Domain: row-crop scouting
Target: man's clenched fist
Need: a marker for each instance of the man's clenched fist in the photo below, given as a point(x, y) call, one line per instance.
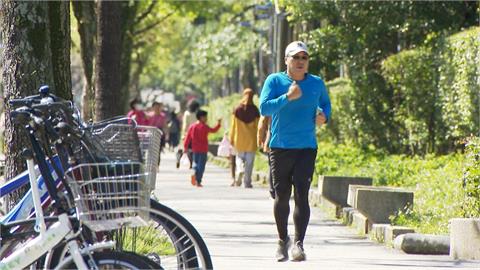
point(294, 91)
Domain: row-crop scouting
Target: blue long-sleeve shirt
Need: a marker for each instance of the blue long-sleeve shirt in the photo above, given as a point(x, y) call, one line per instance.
point(293, 122)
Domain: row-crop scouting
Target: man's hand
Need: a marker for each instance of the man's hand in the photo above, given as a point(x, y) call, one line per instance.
point(219, 121)
point(320, 119)
point(294, 91)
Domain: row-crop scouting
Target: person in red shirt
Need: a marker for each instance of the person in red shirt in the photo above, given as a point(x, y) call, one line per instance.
point(158, 118)
point(136, 113)
point(197, 136)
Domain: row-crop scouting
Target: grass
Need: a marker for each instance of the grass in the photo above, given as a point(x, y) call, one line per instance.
point(146, 240)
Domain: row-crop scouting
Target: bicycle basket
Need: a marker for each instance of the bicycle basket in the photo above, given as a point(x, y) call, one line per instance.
point(119, 142)
point(150, 140)
point(110, 196)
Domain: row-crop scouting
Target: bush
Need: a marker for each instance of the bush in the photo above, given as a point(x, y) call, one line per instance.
point(459, 84)
point(411, 74)
point(435, 98)
point(471, 179)
point(342, 125)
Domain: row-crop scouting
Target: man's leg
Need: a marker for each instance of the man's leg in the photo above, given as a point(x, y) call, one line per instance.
point(302, 178)
point(281, 165)
point(270, 179)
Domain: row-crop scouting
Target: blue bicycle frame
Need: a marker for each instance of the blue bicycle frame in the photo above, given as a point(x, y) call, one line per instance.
point(25, 209)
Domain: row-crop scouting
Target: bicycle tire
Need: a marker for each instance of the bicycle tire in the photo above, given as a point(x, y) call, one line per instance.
point(117, 260)
point(191, 252)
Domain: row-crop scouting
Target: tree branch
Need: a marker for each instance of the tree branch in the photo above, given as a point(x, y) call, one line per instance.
point(153, 25)
point(145, 13)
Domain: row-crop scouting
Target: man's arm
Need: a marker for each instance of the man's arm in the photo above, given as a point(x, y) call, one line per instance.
point(324, 106)
point(269, 104)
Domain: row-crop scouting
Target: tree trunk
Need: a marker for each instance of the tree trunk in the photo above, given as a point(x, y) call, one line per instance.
point(109, 54)
point(129, 14)
point(26, 65)
point(87, 28)
point(140, 63)
point(59, 15)
point(248, 75)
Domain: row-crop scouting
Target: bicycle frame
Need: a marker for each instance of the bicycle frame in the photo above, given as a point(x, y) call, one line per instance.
point(25, 209)
point(47, 238)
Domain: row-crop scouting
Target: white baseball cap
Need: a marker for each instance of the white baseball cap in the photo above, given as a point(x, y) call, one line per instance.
point(295, 47)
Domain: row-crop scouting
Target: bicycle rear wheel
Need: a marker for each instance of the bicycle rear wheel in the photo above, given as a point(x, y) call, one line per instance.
point(116, 260)
point(169, 240)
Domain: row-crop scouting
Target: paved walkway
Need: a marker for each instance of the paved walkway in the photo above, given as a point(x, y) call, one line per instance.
point(238, 227)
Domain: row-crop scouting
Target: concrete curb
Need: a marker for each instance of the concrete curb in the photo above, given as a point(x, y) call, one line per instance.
point(416, 243)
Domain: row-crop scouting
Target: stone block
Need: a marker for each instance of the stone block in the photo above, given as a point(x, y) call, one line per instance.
point(391, 232)
point(335, 188)
point(313, 197)
point(377, 233)
point(360, 223)
point(379, 203)
point(330, 207)
point(465, 238)
point(347, 215)
point(352, 193)
point(416, 243)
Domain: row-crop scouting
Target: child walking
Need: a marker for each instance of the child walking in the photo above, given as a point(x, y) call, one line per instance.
point(197, 136)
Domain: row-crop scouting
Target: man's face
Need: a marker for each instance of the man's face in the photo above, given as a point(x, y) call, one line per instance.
point(297, 63)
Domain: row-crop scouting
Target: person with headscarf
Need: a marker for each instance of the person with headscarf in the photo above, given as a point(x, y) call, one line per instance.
point(243, 137)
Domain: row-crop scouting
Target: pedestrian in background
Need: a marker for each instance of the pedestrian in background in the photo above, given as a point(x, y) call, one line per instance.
point(297, 101)
point(243, 137)
point(197, 137)
point(174, 131)
point(158, 118)
point(189, 117)
point(136, 112)
point(263, 138)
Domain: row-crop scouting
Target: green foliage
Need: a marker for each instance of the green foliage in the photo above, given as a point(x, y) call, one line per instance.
point(358, 36)
point(205, 43)
point(471, 178)
point(436, 180)
point(412, 74)
point(459, 84)
point(344, 123)
point(146, 240)
point(436, 95)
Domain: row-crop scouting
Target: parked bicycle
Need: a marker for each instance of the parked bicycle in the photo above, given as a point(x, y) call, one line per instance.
point(94, 143)
point(25, 242)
